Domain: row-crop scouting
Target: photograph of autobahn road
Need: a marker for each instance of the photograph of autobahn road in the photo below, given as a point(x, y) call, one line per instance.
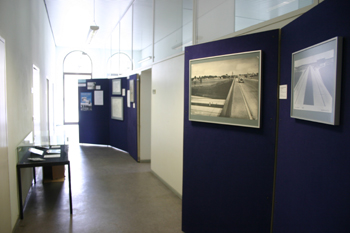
point(315, 82)
point(313, 90)
point(226, 89)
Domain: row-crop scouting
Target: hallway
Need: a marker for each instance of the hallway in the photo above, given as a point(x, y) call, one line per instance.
point(111, 193)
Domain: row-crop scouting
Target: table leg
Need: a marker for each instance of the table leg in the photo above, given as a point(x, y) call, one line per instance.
point(70, 190)
point(34, 175)
point(20, 192)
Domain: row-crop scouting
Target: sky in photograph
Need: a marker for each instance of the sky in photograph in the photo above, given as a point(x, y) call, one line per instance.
point(312, 59)
point(218, 68)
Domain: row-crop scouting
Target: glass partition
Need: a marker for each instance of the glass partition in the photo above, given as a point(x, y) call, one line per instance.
point(126, 41)
point(113, 65)
point(219, 18)
point(142, 33)
point(248, 13)
point(171, 17)
point(215, 19)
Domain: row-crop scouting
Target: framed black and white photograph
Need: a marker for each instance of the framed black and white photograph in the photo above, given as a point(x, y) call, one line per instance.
point(132, 90)
point(226, 89)
point(117, 108)
point(116, 87)
point(315, 84)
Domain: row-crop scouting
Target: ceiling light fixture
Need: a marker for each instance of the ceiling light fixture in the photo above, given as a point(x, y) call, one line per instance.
point(92, 33)
point(93, 29)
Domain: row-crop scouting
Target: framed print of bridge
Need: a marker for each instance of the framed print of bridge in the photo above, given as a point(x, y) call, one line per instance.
point(315, 84)
point(226, 89)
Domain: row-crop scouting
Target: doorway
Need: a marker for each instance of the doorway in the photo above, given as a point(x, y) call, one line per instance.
point(145, 115)
point(36, 104)
point(77, 65)
point(70, 97)
point(5, 218)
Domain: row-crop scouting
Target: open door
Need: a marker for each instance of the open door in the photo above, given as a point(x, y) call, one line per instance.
point(145, 109)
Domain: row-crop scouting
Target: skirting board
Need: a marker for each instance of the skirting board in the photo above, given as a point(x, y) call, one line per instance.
point(166, 184)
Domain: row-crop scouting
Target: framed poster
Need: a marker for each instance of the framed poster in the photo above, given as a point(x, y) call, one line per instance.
point(315, 84)
point(91, 85)
point(116, 87)
point(132, 90)
point(226, 89)
point(85, 101)
point(117, 108)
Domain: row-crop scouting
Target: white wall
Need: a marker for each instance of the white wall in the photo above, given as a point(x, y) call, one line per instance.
point(167, 121)
point(25, 27)
point(145, 114)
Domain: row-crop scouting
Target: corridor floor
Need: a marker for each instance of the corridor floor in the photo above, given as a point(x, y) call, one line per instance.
point(110, 192)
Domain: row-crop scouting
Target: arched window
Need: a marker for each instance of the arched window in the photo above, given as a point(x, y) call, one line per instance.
point(118, 64)
point(76, 65)
point(77, 62)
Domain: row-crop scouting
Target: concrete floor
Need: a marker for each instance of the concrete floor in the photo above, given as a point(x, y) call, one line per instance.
point(110, 192)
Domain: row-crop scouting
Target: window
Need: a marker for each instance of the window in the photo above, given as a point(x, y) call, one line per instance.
point(118, 64)
point(77, 65)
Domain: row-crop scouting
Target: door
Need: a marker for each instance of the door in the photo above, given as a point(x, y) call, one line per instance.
point(71, 105)
point(36, 103)
point(5, 219)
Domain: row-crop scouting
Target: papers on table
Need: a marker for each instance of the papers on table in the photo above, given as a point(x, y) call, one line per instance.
point(52, 156)
point(36, 151)
point(53, 151)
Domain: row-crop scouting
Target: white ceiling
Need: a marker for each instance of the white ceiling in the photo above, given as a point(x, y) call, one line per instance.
point(71, 19)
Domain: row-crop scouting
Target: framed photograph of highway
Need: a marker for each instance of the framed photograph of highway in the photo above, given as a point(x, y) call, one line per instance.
point(226, 89)
point(315, 84)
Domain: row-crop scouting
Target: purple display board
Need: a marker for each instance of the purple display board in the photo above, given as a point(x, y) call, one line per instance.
point(118, 128)
point(94, 111)
point(229, 170)
point(312, 181)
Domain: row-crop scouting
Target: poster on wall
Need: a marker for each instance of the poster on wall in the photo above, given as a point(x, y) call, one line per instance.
point(132, 91)
point(117, 108)
point(226, 89)
point(85, 101)
point(316, 76)
point(98, 97)
point(117, 87)
point(91, 85)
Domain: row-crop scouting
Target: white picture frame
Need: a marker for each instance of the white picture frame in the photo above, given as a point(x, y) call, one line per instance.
point(316, 82)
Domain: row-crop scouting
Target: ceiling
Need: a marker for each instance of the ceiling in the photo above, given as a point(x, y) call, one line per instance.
point(71, 20)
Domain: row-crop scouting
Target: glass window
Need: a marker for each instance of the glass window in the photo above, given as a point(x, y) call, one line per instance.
point(119, 64)
point(77, 65)
point(77, 62)
point(142, 33)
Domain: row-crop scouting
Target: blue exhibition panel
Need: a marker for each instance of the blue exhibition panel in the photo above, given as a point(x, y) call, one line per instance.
point(229, 170)
point(96, 124)
point(118, 128)
point(312, 180)
point(123, 133)
point(94, 117)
